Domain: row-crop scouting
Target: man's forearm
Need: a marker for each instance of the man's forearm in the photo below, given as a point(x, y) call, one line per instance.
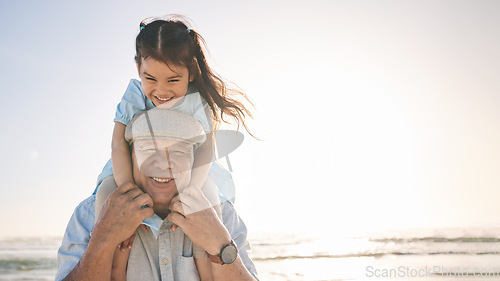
point(234, 272)
point(95, 264)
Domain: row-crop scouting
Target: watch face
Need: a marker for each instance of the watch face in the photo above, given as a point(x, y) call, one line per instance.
point(229, 254)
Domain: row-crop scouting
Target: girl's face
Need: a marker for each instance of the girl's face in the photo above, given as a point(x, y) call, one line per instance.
point(162, 83)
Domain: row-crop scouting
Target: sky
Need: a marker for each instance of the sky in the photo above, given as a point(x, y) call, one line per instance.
point(371, 114)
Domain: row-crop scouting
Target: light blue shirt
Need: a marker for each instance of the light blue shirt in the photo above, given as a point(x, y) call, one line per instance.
point(148, 254)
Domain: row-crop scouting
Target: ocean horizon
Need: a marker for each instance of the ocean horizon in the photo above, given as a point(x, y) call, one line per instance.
point(430, 254)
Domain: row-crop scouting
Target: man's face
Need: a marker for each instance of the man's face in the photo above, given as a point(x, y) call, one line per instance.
point(162, 172)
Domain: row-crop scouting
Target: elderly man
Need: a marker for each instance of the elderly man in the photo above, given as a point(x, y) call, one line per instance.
point(162, 143)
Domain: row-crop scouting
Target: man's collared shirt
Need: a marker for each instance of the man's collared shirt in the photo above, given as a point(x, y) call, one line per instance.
point(168, 257)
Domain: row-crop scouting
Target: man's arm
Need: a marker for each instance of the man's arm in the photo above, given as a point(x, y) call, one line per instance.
point(95, 263)
point(238, 231)
point(121, 215)
point(243, 265)
point(206, 230)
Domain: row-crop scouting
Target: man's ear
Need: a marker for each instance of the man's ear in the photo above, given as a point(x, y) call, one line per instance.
point(138, 69)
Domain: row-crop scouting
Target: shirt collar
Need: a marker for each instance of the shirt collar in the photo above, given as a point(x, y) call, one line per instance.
point(154, 224)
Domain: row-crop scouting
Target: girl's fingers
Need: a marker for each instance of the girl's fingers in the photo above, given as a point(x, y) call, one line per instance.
point(131, 240)
point(127, 244)
point(123, 245)
point(144, 228)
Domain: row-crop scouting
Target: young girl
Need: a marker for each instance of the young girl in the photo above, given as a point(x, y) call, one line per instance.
point(174, 74)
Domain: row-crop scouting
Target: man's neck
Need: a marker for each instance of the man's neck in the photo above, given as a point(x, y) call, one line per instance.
point(162, 213)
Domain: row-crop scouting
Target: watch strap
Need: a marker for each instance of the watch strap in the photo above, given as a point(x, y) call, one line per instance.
point(215, 258)
point(218, 258)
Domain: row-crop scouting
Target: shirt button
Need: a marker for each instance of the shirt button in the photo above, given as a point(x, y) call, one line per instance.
point(165, 261)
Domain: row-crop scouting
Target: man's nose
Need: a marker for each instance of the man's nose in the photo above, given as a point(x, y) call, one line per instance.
point(161, 164)
point(161, 160)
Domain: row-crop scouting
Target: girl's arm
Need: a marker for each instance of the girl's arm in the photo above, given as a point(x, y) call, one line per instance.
point(203, 157)
point(120, 156)
point(122, 172)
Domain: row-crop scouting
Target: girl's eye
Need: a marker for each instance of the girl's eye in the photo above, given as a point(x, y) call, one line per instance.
point(173, 80)
point(150, 79)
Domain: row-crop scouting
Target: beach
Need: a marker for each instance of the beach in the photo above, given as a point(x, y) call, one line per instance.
point(430, 254)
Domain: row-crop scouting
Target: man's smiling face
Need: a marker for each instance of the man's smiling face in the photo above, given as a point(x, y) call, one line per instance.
point(162, 168)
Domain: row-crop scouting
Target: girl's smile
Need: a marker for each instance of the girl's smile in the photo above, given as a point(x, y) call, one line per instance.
point(165, 100)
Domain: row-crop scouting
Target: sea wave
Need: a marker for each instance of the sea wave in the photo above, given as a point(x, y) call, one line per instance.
point(364, 255)
point(19, 264)
point(444, 243)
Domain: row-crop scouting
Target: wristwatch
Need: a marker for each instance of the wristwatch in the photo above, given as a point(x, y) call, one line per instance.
point(227, 255)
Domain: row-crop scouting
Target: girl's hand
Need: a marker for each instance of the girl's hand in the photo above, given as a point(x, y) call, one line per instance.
point(192, 212)
point(127, 244)
point(173, 227)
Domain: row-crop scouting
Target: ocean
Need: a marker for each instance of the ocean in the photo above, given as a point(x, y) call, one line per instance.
point(426, 254)
point(28, 258)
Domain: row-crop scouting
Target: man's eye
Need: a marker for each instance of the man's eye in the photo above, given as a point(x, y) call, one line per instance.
point(150, 79)
point(146, 148)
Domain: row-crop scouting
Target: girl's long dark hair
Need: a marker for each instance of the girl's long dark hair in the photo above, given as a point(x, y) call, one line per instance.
point(171, 41)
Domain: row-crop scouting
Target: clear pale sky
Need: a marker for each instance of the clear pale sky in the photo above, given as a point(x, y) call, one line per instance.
point(373, 114)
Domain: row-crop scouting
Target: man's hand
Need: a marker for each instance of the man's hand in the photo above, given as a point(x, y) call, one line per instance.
point(120, 217)
point(192, 212)
point(122, 213)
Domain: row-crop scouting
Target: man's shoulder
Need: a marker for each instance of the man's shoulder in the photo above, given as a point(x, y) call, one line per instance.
point(227, 206)
point(87, 203)
point(231, 219)
point(85, 212)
